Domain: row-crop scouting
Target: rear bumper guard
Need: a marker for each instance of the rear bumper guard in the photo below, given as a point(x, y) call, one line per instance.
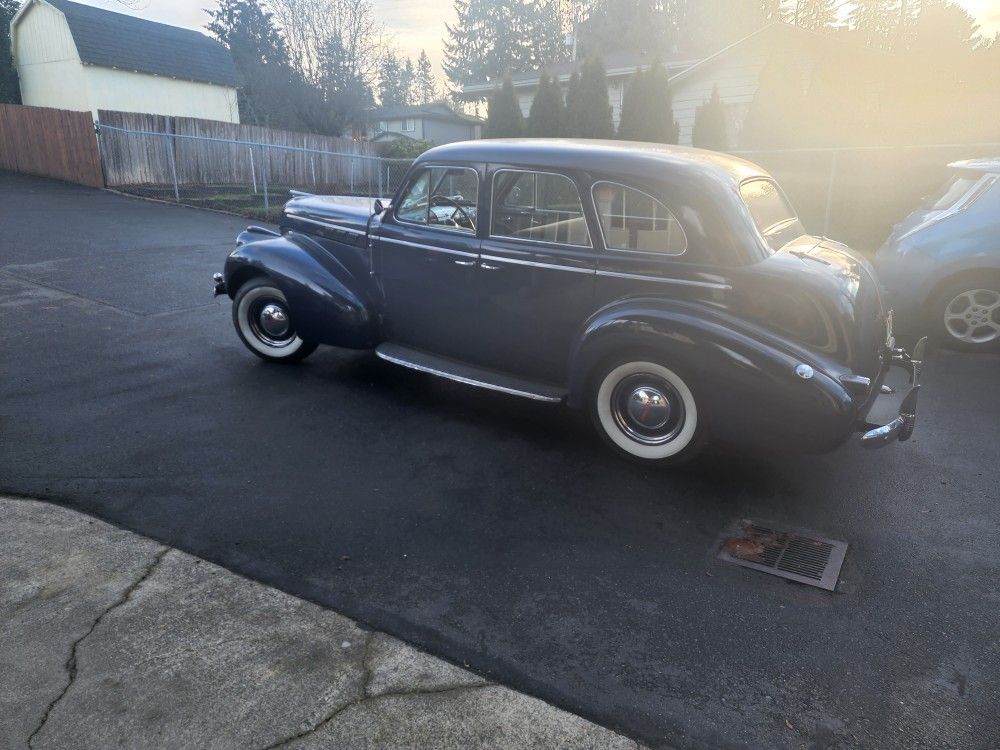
point(901, 428)
point(220, 284)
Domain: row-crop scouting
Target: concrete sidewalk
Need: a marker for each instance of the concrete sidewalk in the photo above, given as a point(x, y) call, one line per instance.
point(108, 639)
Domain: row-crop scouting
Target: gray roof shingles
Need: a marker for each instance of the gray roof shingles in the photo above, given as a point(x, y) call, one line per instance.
point(115, 40)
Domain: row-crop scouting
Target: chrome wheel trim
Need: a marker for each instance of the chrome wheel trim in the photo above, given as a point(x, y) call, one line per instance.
point(668, 425)
point(265, 323)
point(973, 316)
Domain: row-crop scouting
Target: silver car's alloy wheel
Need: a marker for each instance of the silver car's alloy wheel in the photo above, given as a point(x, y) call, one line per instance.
point(973, 316)
point(647, 410)
point(265, 323)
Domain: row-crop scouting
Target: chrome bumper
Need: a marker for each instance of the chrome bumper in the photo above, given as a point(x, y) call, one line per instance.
point(220, 283)
point(901, 428)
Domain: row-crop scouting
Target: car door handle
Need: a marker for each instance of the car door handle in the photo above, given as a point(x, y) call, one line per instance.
point(465, 262)
point(489, 267)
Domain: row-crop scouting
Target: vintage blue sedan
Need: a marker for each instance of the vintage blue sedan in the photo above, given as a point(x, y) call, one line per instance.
point(941, 265)
point(671, 292)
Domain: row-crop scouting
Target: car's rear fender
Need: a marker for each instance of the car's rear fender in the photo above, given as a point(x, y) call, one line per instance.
point(327, 303)
point(744, 376)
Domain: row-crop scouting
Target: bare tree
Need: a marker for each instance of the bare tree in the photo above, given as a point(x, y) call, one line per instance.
point(310, 26)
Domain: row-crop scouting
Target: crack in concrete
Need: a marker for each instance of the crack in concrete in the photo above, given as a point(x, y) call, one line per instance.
point(367, 697)
point(71, 665)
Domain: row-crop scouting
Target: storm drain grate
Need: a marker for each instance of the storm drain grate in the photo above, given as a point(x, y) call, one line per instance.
point(793, 555)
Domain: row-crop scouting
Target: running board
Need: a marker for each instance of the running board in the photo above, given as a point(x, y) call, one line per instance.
point(468, 374)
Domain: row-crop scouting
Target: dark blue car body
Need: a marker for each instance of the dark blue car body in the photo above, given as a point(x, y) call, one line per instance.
point(782, 337)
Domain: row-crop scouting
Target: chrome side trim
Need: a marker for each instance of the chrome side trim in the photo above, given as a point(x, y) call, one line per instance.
point(668, 280)
point(326, 224)
point(536, 264)
point(466, 381)
point(418, 246)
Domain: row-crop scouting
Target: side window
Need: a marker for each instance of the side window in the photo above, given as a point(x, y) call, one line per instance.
point(634, 220)
point(441, 196)
point(538, 206)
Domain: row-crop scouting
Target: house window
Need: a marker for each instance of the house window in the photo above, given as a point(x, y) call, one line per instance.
point(382, 126)
point(407, 125)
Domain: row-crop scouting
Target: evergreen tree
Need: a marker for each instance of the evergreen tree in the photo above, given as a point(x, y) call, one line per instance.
point(710, 124)
point(776, 115)
point(391, 91)
point(504, 119)
point(878, 21)
point(271, 92)
point(610, 25)
point(594, 107)
point(647, 108)
point(545, 118)
point(408, 83)
point(10, 90)
point(426, 87)
point(344, 90)
point(490, 38)
point(574, 107)
point(815, 14)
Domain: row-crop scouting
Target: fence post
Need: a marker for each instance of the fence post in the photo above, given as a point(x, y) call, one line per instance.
point(829, 194)
point(378, 171)
point(312, 163)
point(173, 167)
point(253, 171)
point(263, 178)
point(352, 176)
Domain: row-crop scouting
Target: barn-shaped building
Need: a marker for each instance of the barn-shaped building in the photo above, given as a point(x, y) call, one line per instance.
point(77, 57)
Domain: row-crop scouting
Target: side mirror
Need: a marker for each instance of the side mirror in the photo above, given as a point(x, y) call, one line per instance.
point(378, 207)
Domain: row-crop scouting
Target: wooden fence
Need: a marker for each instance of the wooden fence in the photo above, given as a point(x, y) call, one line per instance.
point(50, 142)
point(207, 152)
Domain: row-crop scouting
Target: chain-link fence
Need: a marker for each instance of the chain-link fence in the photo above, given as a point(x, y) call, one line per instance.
point(250, 178)
point(855, 195)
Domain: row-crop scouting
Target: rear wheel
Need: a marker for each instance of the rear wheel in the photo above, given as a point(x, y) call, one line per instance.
point(264, 323)
point(967, 314)
point(647, 412)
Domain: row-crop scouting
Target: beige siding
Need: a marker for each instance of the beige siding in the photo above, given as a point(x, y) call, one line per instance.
point(126, 91)
point(736, 75)
point(47, 61)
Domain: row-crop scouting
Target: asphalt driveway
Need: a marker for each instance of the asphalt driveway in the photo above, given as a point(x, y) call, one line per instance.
point(496, 532)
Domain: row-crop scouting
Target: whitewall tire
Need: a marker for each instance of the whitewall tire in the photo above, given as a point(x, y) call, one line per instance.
point(264, 323)
point(647, 412)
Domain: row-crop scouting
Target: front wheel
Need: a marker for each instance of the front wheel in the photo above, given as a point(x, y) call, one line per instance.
point(264, 323)
point(647, 413)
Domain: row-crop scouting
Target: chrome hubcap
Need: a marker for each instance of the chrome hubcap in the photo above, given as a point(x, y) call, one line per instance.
point(270, 322)
point(647, 409)
point(274, 320)
point(974, 316)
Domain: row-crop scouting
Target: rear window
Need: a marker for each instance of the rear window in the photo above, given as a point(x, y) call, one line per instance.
point(772, 213)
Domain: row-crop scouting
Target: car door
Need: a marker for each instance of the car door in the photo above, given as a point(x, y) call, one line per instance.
point(428, 252)
point(537, 268)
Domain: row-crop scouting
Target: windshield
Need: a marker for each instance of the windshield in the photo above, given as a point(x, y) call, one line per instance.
point(950, 193)
point(772, 213)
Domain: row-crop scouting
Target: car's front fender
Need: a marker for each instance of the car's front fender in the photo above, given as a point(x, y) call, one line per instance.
point(327, 303)
point(744, 377)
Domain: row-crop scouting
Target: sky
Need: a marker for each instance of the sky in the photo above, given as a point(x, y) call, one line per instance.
point(415, 24)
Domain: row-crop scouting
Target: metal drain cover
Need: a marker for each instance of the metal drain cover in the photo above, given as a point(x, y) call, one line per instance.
point(794, 555)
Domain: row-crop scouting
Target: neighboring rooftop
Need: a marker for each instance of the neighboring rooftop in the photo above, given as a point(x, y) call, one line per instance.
point(432, 111)
point(619, 63)
point(115, 40)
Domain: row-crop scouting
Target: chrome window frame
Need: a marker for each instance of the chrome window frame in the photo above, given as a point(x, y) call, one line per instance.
point(600, 224)
point(508, 238)
point(442, 227)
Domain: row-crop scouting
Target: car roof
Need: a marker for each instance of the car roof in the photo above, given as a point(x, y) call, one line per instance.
point(991, 165)
point(626, 158)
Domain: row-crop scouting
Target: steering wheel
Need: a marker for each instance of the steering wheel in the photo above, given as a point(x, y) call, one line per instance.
point(459, 209)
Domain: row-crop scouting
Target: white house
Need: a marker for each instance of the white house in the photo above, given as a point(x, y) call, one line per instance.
point(735, 69)
point(77, 57)
point(435, 122)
